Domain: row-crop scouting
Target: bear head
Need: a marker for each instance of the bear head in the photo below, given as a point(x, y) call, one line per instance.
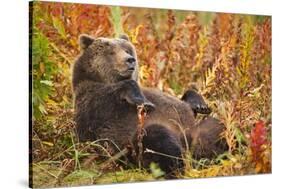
point(107, 60)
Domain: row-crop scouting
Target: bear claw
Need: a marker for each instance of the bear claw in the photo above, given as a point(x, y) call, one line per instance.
point(196, 102)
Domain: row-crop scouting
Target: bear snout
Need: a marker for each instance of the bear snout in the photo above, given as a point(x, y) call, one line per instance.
point(131, 63)
point(131, 60)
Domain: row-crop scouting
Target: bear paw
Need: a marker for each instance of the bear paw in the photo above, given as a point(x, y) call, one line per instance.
point(196, 102)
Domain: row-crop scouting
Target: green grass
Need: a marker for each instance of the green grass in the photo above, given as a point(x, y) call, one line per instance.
point(49, 175)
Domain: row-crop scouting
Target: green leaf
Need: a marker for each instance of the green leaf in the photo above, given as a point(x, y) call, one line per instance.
point(46, 82)
point(42, 109)
point(155, 170)
point(59, 26)
point(116, 20)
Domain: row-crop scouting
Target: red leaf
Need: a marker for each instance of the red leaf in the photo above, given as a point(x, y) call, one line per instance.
point(258, 141)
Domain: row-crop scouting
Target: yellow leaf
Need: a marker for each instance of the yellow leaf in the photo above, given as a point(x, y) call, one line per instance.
point(42, 67)
point(48, 143)
point(258, 167)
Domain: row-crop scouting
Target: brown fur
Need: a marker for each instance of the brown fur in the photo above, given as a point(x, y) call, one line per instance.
point(206, 139)
point(107, 94)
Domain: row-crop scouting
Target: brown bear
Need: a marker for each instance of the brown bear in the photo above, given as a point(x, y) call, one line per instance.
point(107, 94)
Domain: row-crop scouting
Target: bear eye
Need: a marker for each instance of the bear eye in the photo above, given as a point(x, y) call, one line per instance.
point(111, 52)
point(128, 52)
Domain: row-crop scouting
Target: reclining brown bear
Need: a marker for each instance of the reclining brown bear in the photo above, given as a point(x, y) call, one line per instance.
point(106, 98)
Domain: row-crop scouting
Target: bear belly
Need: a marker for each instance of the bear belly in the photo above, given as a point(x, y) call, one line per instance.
point(169, 111)
point(105, 121)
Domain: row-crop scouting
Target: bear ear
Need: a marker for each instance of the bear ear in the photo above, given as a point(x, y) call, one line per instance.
point(124, 36)
point(85, 41)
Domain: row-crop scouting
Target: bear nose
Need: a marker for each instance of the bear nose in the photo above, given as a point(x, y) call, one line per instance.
point(131, 60)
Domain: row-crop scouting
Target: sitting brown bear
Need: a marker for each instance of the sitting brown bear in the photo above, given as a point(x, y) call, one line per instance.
point(107, 95)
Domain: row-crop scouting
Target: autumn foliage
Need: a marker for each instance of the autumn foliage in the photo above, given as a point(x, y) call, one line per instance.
point(226, 57)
